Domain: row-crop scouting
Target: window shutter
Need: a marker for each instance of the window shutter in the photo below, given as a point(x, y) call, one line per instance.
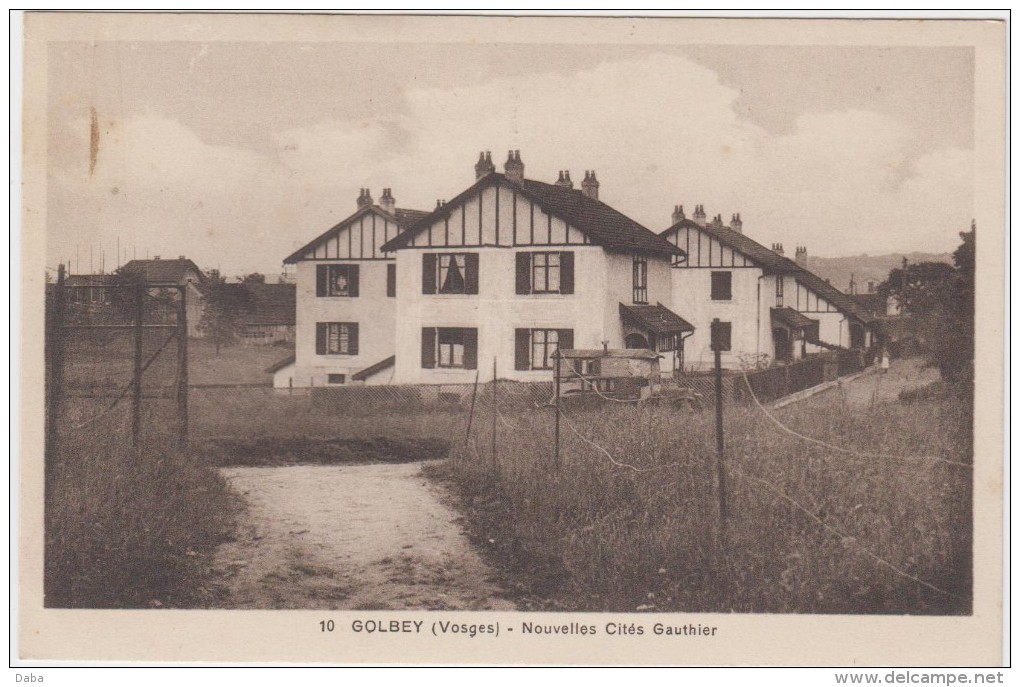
point(470, 348)
point(523, 275)
point(471, 273)
point(522, 348)
point(352, 338)
point(566, 338)
point(428, 273)
point(567, 272)
point(321, 332)
point(428, 347)
point(391, 280)
point(353, 272)
point(321, 280)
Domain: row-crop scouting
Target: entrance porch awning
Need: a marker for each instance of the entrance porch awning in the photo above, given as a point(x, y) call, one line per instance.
point(796, 321)
point(655, 319)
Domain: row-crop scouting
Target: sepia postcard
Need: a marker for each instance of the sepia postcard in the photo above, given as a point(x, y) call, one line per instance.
point(508, 340)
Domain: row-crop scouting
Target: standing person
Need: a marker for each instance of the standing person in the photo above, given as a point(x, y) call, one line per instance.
point(885, 360)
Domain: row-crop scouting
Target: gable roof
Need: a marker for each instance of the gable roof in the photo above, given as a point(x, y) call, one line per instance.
point(162, 271)
point(272, 304)
point(603, 225)
point(776, 263)
point(403, 217)
point(741, 243)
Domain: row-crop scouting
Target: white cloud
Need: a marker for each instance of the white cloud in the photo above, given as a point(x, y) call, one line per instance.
point(659, 129)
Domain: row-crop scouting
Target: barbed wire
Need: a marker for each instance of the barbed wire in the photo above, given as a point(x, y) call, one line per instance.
point(845, 538)
point(608, 455)
point(859, 454)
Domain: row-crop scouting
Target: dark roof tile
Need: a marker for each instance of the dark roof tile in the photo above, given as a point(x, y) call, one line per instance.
point(603, 225)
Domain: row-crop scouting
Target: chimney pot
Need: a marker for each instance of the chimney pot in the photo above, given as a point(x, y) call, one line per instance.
point(484, 165)
point(590, 185)
point(514, 168)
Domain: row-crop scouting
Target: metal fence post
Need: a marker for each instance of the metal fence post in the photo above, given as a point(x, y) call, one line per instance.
point(182, 366)
point(136, 394)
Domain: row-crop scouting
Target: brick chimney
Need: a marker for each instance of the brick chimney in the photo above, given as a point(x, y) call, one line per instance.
point(365, 198)
point(801, 256)
point(484, 165)
point(678, 214)
point(699, 215)
point(514, 168)
point(717, 221)
point(736, 224)
point(590, 185)
point(564, 180)
point(777, 248)
point(386, 201)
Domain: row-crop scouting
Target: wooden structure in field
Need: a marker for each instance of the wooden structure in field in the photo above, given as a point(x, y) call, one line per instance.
point(627, 374)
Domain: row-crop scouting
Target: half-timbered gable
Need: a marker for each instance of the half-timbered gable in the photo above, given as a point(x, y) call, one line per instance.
point(730, 277)
point(346, 290)
point(512, 269)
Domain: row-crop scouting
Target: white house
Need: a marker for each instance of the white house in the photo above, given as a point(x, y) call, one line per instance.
point(774, 308)
point(345, 328)
point(512, 268)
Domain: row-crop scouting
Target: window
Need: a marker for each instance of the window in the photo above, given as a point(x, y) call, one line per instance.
point(722, 286)
point(534, 348)
point(449, 347)
point(336, 280)
point(545, 272)
point(336, 379)
point(336, 338)
point(640, 279)
point(391, 280)
point(667, 342)
point(779, 291)
point(450, 273)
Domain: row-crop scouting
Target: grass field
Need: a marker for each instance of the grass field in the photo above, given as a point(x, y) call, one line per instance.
point(127, 530)
point(810, 529)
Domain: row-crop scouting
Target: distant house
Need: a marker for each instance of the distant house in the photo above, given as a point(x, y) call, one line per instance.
point(774, 308)
point(272, 316)
point(512, 269)
point(91, 290)
point(181, 272)
point(345, 322)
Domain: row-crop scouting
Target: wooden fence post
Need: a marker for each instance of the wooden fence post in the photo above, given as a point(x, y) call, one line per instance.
point(136, 394)
point(54, 347)
point(557, 410)
point(495, 398)
point(182, 366)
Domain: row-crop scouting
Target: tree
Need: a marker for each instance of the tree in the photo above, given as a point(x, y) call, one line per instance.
point(938, 300)
point(253, 278)
point(223, 314)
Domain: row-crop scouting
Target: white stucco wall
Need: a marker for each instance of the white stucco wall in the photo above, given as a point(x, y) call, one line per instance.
point(373, 311)
point(748, 312)
point(601, 282)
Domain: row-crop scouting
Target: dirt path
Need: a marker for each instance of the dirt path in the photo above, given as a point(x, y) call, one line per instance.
point(874, 387)
point(349, 537)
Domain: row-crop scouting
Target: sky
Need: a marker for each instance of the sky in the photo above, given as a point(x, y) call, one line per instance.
point(234, 154)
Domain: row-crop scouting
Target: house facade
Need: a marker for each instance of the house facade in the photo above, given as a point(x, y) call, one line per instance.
point(345, 325)
point(495, 280)
point(179, 271)
point(272, 315)
point(773, 308)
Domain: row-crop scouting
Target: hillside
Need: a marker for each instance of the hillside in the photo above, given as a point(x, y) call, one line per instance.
point(864, 267)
